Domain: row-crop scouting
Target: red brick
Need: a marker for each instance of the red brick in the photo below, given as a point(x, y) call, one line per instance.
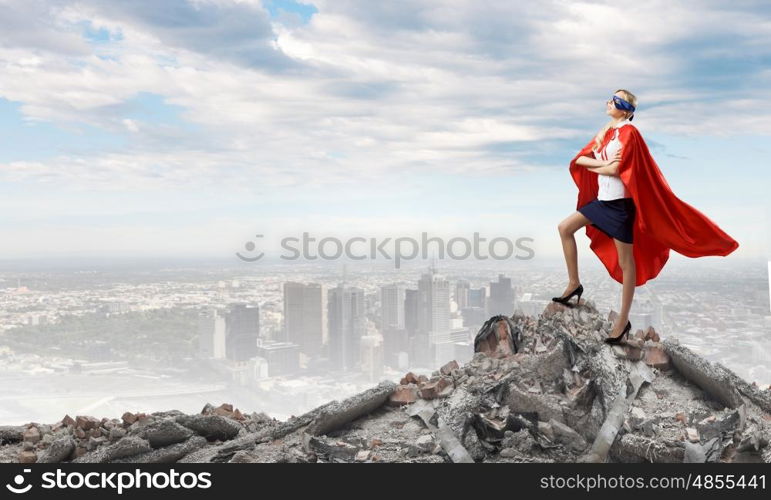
point(403, 395)
point(32, 435)
point(650, 334)
point(449, 367)
point(129, 418)
point(435, 388)
point(68, 421)
point(656, 357)
point(410, 378)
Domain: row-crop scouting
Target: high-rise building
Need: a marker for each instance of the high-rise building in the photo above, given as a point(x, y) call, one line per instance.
point(347, 325)
point(283, 358)
point(391, 308)
point(462, 288)
point(477, 297)
point(411, 303)
point(392, 323)
point(372, 357)
point(501, 297)
point(242, 329)
point(433, 317)
point(434, 304)
point(304, 316)
point(211, 333)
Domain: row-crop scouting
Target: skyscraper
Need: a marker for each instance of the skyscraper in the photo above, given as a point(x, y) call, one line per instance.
point(433, 304)
point(347, 325)
point(392, 324)
point(242, 329)
point(501, 297)
point(477, 297)
point(304, 316)
point(391, 308)
point(433, 317)
point(462, 288)
point(211, 333)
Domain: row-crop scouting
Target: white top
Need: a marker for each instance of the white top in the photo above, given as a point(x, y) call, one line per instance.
point(611, 186)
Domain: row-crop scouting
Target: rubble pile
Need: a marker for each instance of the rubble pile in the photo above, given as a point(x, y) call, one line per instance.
point(545, 389)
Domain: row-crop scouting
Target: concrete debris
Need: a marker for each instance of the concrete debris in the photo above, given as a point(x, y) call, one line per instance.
point(339, 414)
point(538, 389)
point(212, 427)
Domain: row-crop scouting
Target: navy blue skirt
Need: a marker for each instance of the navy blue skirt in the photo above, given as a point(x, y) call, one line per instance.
point(613, 217)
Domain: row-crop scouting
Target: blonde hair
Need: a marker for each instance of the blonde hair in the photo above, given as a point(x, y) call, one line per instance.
point(629, 97)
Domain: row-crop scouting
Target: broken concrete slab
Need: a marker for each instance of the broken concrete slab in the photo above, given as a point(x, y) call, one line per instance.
point(639, 374)
point(166, 454)
point(337, 414)
point(212, 427)
point(131, 445)
point(452, 445)
point(712, 377)
point(58, 451)
point(11, 433)
point(163, 432)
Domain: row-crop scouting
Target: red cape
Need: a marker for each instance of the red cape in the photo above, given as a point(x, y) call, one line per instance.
point(663, 220)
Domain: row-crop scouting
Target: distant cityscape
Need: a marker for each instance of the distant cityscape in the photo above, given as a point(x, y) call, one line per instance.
point(285, 339)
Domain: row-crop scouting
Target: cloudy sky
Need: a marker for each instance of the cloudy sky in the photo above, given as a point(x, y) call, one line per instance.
point(184, 127)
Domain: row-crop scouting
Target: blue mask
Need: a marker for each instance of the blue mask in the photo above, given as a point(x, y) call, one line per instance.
point(622, 104)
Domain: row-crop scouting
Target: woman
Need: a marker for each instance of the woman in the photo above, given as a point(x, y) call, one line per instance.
point(631, 215)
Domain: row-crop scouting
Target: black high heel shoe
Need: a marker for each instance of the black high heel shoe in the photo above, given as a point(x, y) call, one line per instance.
point(564, 300)
point(616, 340)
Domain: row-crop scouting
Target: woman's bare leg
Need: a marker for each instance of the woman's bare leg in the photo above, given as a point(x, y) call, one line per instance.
point(567, 229)
point(626, 262)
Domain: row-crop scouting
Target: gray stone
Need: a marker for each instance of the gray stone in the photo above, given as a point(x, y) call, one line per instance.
point(131, 445)
point(58, 451)
point(167, 454)
point(211, 427)
point(340, 413)
point(164, 432)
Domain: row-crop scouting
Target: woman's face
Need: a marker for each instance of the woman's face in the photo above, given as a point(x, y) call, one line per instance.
point(612, 111)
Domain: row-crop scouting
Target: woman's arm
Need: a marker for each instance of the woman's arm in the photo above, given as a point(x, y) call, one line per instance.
point(606, 167)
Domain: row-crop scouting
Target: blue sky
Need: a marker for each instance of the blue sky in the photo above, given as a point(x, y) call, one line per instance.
point(184, 127)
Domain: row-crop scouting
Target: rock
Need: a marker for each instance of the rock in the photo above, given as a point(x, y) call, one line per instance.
point(436, 388)
point(11, 433)
point(129, 418)
point(58, 451)
point(403, 395)
point(568, 437)
point(509, 453)
point(210, 426)
point(68, 421)
point(425, 443)
point(522, 441)
point(32, 435)
point(650, 334)
point(337, 414)
point(117, 433)
point(656, 357)
point(27, 457)
point(164, 432)
point(167, 454)
point(692, 434)
point(86, 423)
point(448, 368)
point(95, 442)
point(131, 445)
point(715, 379)
point(410, 378)
point(546, 429)
point(363, 455)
